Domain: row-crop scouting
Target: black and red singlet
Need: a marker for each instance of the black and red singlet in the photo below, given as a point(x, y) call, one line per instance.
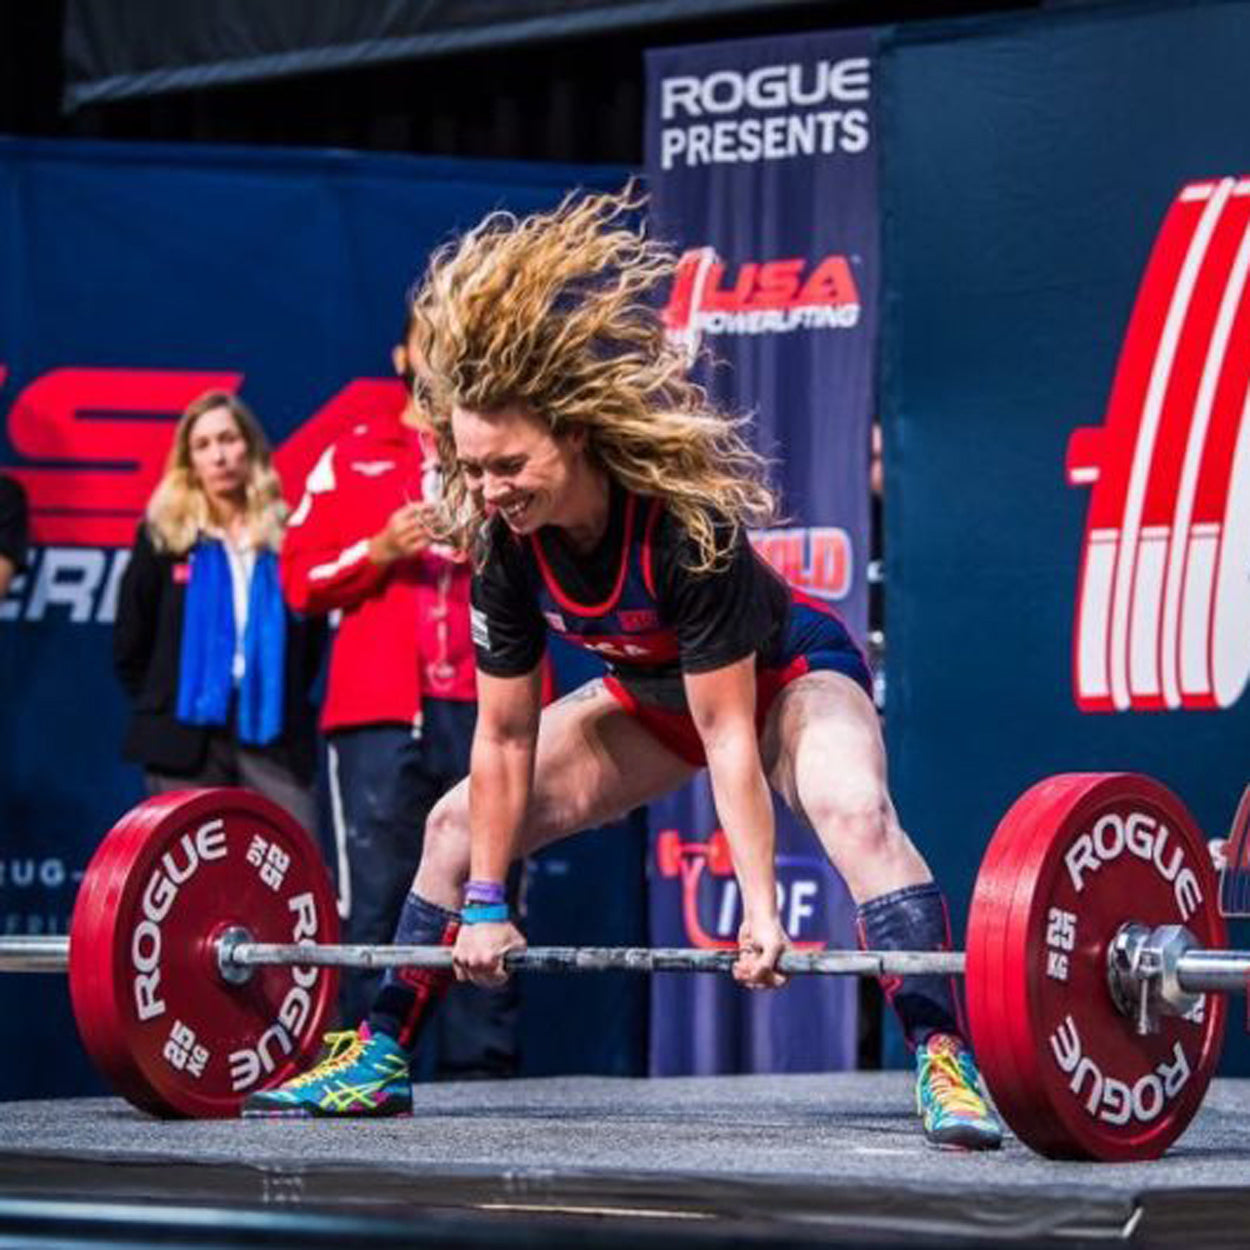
point(634, 602)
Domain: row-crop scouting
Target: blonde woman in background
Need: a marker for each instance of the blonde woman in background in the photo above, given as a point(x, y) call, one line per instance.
point(217, 669)
point(608, 503)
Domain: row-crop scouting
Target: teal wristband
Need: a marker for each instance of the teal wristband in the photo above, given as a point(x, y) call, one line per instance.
point(496, 913)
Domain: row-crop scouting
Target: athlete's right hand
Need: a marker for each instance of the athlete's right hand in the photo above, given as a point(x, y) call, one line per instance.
point(479, 951)
point(761, 943)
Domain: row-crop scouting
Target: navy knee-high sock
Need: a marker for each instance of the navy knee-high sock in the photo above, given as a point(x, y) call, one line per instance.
point(913, 918)
point(407, 996)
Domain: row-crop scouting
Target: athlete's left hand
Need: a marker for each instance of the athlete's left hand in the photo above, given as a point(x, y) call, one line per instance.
point(761, 942)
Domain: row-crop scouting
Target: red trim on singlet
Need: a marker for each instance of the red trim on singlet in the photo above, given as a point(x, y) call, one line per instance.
point(770, 682)
point(676, 730)
point(571, 605)
point(648, 574)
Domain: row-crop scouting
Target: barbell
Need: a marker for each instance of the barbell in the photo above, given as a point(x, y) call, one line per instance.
point(203, 947)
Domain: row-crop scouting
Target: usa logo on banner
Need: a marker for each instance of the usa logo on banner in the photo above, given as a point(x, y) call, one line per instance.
point(762, 169)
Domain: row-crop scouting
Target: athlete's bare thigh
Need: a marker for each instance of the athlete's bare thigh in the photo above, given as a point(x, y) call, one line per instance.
point(824, 755)
point(594, 764)
point(821, 730)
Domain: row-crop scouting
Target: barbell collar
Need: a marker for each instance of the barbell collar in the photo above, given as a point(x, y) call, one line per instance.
point(593, 959)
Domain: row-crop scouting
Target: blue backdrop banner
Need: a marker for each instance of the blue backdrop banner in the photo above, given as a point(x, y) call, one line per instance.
point(761, 157)
point(1067, 350)
point(133, 278)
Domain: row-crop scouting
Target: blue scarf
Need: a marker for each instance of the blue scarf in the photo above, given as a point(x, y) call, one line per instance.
point(205, 679)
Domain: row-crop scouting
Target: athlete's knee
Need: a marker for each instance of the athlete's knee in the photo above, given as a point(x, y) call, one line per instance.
point(445, 846)
point(855, 814)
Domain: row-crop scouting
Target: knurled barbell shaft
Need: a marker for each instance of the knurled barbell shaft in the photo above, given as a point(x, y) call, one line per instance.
point(51, 954)
point(596, 959)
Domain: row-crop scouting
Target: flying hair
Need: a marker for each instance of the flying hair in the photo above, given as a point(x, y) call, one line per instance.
point(556, 313)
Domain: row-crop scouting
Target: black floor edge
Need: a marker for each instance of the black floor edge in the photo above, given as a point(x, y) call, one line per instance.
point(74, 1200)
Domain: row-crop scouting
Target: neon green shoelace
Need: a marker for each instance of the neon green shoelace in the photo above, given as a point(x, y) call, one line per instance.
point(345, 1048)
point(949, 1085)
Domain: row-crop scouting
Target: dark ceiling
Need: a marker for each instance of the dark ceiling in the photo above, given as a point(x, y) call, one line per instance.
point(576, 99)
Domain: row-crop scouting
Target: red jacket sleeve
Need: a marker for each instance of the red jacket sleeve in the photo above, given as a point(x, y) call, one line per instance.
point(325, 560)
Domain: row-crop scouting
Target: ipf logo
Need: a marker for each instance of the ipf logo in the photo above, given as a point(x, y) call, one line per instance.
point(711, 907)
point(1163, 610)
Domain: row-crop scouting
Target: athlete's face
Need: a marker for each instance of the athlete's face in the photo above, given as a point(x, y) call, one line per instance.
point(515, 466)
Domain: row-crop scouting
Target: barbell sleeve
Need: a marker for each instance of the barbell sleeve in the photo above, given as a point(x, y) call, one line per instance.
point(1220, 972)
point(34, 953)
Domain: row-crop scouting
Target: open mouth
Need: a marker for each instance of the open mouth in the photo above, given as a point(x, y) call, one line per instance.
point(515, 510)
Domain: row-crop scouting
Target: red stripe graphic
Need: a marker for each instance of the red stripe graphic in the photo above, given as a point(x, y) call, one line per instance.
point(1163, 611)
point(94, 441)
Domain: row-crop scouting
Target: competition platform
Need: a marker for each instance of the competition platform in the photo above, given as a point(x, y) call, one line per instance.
point(589, 1161)
point(1098, 980)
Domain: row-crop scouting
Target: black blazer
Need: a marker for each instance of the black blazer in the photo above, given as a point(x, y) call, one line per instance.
point(14, 521)
point(147, 642)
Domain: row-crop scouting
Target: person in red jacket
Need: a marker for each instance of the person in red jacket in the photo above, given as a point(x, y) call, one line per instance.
point(400, 702)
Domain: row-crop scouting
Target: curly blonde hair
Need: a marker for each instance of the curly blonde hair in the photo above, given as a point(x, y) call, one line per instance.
point(178, 512)
point(554, 313)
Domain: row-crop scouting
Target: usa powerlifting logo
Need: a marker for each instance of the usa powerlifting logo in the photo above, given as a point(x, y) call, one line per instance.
point(758, 297)
point(1163, 609)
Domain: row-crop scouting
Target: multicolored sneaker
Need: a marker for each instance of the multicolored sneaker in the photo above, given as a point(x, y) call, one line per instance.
point(948, 1097)
point(364, 1074)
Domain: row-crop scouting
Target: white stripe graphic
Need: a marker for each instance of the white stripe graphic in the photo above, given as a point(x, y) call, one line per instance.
point(1188, 485)
point(1143, 452)
point(1196, 606)
point(1230, 635)
point(1152, 554)
point(345, 559)
point(1100, 553)
point(340, 834)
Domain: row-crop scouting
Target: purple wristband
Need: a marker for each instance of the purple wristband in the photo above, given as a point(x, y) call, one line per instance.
point(489, 893)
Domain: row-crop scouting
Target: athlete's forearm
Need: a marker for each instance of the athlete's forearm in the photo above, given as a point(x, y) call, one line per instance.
point(745, 809)
point(501, 770)
point(500, 778)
